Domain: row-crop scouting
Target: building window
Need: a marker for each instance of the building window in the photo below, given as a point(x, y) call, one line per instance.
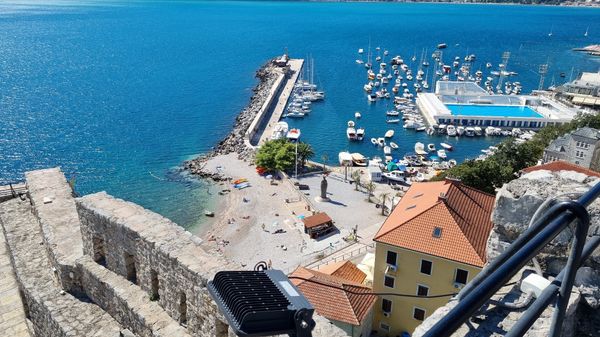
point(391, 258)
point(422, 290)
point(426, 267)
point(384, 327)
point(386, 305)
point(437, 232)
point(419, 314)
point(461, 276)
point(388, 281)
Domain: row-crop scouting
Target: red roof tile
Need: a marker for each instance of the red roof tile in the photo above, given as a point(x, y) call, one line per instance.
point(331, 299)
point(560, 165)
point(462, 213)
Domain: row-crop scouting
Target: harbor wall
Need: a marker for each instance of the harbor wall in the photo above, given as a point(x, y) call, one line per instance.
point(264, 110)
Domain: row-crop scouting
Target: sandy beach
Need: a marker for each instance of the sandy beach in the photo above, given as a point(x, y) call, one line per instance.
point(261, 223)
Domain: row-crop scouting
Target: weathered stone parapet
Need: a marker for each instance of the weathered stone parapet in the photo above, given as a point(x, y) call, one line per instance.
point(54, 207)
point(151, 251)
point(127, 303)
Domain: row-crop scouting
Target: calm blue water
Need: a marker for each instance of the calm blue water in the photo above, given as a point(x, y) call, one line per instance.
point(491, 110)
point(119, 93)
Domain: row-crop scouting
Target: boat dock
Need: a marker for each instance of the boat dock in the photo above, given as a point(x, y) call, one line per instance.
point(275, 104)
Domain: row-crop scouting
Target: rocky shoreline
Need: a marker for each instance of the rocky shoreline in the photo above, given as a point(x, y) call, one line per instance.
point(234, 142)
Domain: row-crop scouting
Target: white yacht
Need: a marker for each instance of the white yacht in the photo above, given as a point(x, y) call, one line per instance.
point(478, 131)
point(279, 131)
point(446, 146)
point(358, 159)
point(293, 134)
point(360, 133)
point(451, 130)
point(442, 154)
point(389, 134)
point(420, 148)
point(351, 131)
point(460, 130)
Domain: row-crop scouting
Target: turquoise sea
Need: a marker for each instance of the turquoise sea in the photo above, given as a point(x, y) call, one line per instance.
point(119, 93)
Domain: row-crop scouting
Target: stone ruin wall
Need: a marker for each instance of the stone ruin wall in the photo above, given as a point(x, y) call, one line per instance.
point(157, 255)
point(138, 273)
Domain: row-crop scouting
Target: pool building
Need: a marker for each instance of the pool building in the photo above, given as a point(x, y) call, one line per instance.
point(466, 103)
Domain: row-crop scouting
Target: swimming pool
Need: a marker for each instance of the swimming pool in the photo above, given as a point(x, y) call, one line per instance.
point(492, 110)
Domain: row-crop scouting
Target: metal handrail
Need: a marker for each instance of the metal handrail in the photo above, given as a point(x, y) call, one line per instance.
point(528, 245)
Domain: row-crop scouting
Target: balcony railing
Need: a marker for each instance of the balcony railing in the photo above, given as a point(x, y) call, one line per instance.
point(494, 276)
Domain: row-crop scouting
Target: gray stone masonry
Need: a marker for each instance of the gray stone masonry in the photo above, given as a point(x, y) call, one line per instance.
point(141, 246)
point(54, 207)
point(12, 310)
point(52, 311)
point(126, 302)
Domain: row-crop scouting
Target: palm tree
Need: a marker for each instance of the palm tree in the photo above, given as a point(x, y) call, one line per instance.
point(324, 158)
point(305, 152)
point(356, 178)
point(383, 196)
point(370, 188)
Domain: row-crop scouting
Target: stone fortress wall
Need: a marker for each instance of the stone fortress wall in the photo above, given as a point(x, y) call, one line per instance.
point(101, 266)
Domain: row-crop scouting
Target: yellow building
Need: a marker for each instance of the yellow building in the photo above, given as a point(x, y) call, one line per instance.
point(433, 243)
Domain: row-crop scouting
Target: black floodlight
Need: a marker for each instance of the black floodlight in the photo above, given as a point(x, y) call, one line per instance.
point(262, 303)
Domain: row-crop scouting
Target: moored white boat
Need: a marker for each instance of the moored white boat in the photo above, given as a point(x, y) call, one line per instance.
point(360, 133)
point(293, 134)
point(393, 145)
point(460, 130)
point(345, 158)
point(357, 115)
point(387, 150)
point(469, 131)
point(374, 141)
point(420, 148)
point(451, 130)
point(381, 141)
point(442, 154)
point(279, 131)
point(446, 146)
point(359, 160)
point(389, 134)
point(430, 147)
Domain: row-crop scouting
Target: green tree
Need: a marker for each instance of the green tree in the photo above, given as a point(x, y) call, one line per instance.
point(383, 197)
point(276, 155)
point(370, 188)
point(356, 178)
point(305, 152)
point(324, 159)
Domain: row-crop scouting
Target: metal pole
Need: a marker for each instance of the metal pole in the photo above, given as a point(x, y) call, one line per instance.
point(491, 284)
point(584, 200)
point(296, 161)
point(531, 315)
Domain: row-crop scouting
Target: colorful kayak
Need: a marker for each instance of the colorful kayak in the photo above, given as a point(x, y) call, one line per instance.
point(239, 181)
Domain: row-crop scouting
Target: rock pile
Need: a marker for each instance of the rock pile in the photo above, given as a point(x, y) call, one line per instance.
point(234, 142)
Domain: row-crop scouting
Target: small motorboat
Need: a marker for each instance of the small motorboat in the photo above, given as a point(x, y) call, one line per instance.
point(393, 145)
point(395, 176)
point(442, 154)
point(451, 130)
point(430, 147)
point(421, 129)
point(360, 133)
point(393, 113)
point(460, 130)
point(420, 148)
point(381, 141)
point(387, 150)
point(293, 134)
point(446, 146)
point(357, 115)
point(393, 121)
point(209, 213)
point(389, 134)
point(358, 159)
point(374, 141)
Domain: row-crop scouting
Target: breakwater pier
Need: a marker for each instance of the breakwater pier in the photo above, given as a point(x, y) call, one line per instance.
point(254, 124)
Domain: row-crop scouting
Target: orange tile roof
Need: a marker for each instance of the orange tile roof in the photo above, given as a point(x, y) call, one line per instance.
point(344, 269)
point(561, 165)
point(463, 214)
point(333, 301)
